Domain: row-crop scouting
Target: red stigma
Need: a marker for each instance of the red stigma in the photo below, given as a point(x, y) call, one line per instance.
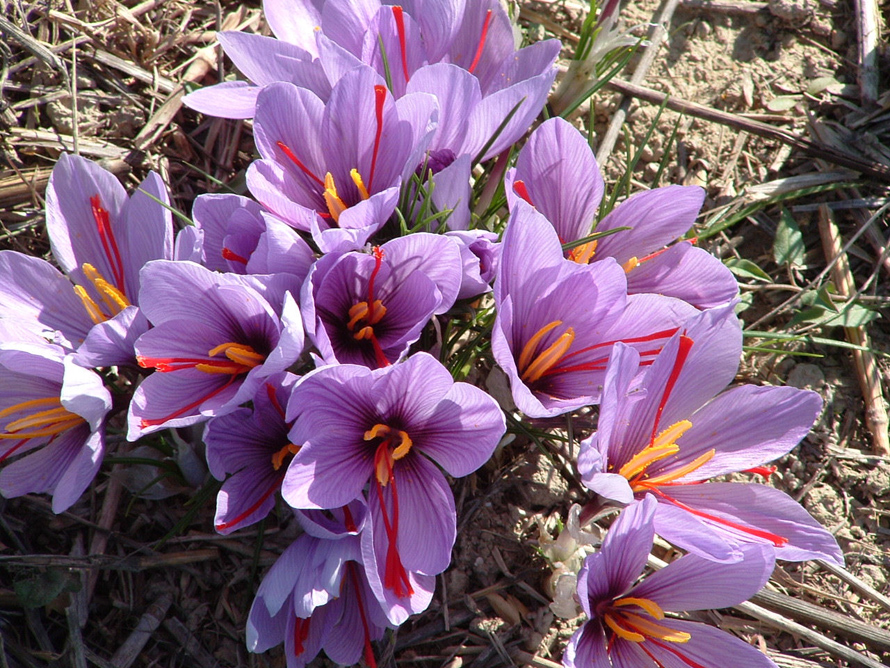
point(229, 254)
point(520, 189)
point(682, 354)
point(148, 422)
point(765, 471)
point(247, 513)
point(379, 99)
point(12, 450)
point(599, 364)
point(301, 632)
point(481, 42)
point(369, 652)
point(378, 351)
point(296, 161)
point(348, 520)
point(400, 28)
point(273, 399)
point(109, 243)
point(395, 577)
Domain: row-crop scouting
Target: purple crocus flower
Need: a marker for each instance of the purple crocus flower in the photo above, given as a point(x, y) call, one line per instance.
point(100, 238)
point(316, 596)
point(337, 173)
point(557, 320)
point(388, 429)
point(249, 449)
point(239, 236)
point(627, 627)
point(557, 173)
point(52, 421)
point(668, 441)
point(368, 309)
point(216, 337)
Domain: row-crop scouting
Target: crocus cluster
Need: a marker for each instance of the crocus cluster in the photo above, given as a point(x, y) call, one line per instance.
point(316, 330)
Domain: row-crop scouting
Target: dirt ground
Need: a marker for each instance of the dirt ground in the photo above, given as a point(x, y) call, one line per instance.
point(73, 587)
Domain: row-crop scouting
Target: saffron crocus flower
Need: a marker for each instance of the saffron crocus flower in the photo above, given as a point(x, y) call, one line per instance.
point(216, 337)
point(557, 173)
point(387, 430)
point(52, 420)
point(316, 596)
point(101, 239)
point(557, 320)
point(668, 441)
point(368, 309)
point(249, 449)
point(337, 173)
point(627, 627)
point(239, 236)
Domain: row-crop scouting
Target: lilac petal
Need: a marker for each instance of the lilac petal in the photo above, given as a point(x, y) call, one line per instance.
point(335, 60)
point(687, 273)
point(610, 486)
point(111, 343)
point(748, 426)
point(384, 35)
point(457, 92)
point(79, 473)
point(656, 218)
point(347, 20)
point(427, 517)
point(467, 415)
point(439, 22)
point(147, 232)
point(528, 235)
point(73, 230)
point(451, 190)
point(397, 609)
point(246, 498)
point(398, 394)
point(274, 188)
point(587, 648)
point(436, 256)
point(334, 524)
point(357, 223)
point(213, 214)
point(535, 61)
point(257, 57)
point(230, 99)
point(623, 554)
point(707, 646)
point(42, 471)
point(188, 246)
point(265, 631)
point(694, 535)
point(176, 400)
point(293, 21)
point(527, 97)
point(32, 289)
point(562, 178)
point(281, 250)
point(694, 583)
point(84, 393)
point(277, 105)
point(468, 43)
point(765, 509)
point(420, 113)
point(344, 644)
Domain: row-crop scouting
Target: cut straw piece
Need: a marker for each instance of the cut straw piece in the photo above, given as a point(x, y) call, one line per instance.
point(864, 362)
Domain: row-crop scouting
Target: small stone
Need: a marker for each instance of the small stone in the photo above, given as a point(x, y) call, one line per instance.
point(703, 29)
point(806, 377)
point(795, 12)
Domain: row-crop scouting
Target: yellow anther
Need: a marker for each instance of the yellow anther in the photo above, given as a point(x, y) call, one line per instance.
point(653, 630)
point(528, 350)
point(92, 308)
point(548, 359)
point(672, 433)
point(356, 313)
point(584, 253)
point(365, 332)
point(644, 458)
point(384, 458)
point(336, 206)
point(621, 631)
point(240, 353)
point(376, 431)
point(279, 457)
point(630, 264)
point(694, 465)
point(31, 403)
point(404, 446)
point(231, 369)
point(646, 604)
point(357, 180)
point(47, 422)
point(114, 299)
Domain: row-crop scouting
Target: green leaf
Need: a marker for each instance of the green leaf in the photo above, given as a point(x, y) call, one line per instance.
point(747, 269)
point(789, 248)
point(43, 588)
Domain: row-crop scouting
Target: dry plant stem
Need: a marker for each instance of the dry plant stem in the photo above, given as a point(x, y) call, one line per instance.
point(106, 520)
point(864, 362)
point(657, 36)
point(825, 619)
point(526, 659)
point(811, 148)
point(725, 6)
point(862, 587)
point(131, 648)
point(867, 24)
point(101, 561)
